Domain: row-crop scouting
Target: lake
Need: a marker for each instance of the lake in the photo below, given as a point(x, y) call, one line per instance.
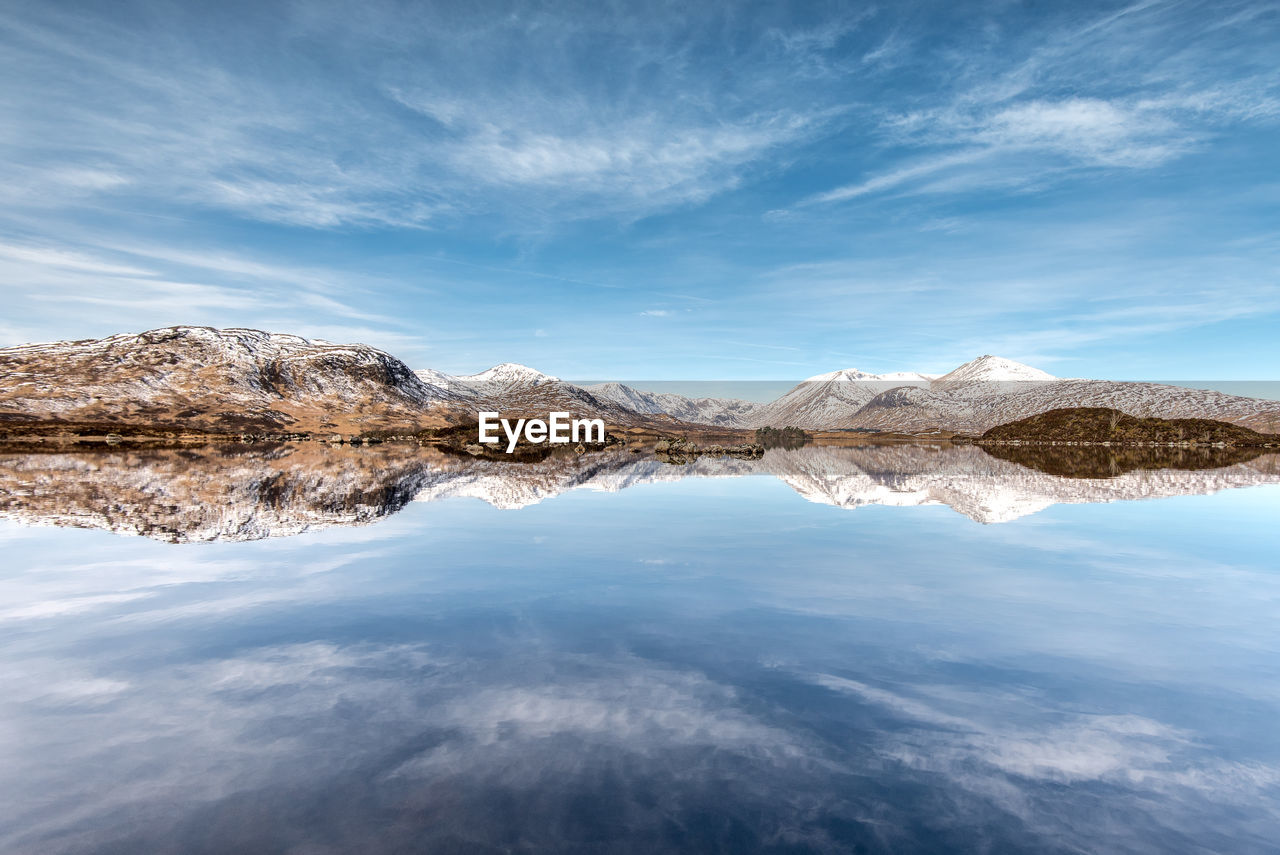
point(900, 648)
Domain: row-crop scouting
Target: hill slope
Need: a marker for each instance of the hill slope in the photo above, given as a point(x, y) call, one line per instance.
point(204, 379)
point(1097, 425)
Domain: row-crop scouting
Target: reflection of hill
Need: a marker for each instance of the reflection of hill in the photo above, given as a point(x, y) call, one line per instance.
point(1107, 462)
point(984, 488)
point(253, 492)
point(222, 492)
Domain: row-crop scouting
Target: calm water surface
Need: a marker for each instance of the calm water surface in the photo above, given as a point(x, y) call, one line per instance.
point(919, 650)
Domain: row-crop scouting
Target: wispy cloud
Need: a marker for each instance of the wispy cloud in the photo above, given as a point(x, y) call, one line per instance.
point(212, 127)
point(445, 180)
point(902, 175)
point(1081, 97)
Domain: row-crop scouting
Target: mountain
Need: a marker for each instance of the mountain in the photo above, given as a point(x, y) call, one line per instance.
point(993, 369)
point(975, 407)
point(720, 412)
point(505, 378)
point(518, 390)
point(828, 400)
point(188, 379)
point(204, 379)
point(199, 379)
point(986, 392)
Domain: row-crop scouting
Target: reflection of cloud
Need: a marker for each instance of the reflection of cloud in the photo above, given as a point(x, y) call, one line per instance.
point(446, 688)
point(1161, 768)
point(321, 742)
point(299, 718)
point(632, 705)
point(475, 728)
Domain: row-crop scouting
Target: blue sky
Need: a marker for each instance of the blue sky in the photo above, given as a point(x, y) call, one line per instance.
point(655, 191)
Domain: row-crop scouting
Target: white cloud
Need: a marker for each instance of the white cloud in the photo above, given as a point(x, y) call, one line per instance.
point(1088, 130)
point(896, 177)
point(393, 146)
point(43, 257)
point(1010, 125)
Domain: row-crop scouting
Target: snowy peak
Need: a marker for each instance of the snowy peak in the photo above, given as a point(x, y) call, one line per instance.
point(994, 369)
point(509, 374)
point(854, 375)
point(842, 374)
point(500, 379)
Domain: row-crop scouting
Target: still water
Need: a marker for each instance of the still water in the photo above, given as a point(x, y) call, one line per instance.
point(887, 649)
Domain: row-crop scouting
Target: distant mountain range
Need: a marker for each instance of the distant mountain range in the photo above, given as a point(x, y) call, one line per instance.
point(233, 380)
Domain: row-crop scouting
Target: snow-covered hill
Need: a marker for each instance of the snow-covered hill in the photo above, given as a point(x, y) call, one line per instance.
point(209, 379)
point(504, 378)
point(720, 412)
point(518, 390)
point(829, 399)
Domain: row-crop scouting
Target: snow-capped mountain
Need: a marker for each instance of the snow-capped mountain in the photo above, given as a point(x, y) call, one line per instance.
point(238, 380)
point(826, 400)
point(720, 412)
point(199, 378)
point(518, 390)
point(986, 392)
point(215, 493)
point(993, 369)
point(504, 378)
point(977, 406)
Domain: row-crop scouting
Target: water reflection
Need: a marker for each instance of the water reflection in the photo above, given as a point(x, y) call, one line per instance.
point(1105, 462)
point(701, 665)
point(233, 492)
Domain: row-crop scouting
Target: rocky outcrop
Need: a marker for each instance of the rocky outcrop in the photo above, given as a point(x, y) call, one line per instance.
point(680, 450)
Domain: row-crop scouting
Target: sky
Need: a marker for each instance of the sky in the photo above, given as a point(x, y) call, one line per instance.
point(683, 191)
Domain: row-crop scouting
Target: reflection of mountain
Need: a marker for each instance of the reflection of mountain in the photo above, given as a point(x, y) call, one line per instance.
point(249, 493)
point(229, 492)
point(984, 488)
